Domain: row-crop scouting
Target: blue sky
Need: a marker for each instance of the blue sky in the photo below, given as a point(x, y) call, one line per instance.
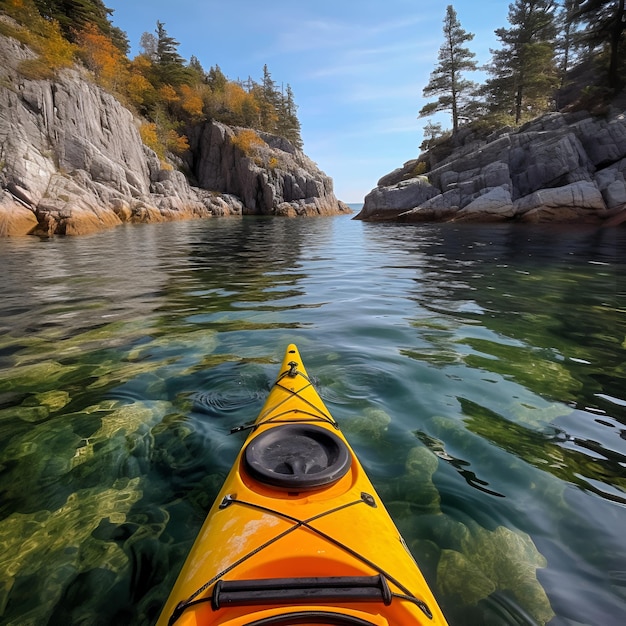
point(357, 69)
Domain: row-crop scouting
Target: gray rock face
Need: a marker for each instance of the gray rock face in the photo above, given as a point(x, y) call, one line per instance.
point(72, 162)
point(272, 177)
point(558, 168)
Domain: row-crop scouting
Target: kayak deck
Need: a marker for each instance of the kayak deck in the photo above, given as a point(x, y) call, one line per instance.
point(298, 534)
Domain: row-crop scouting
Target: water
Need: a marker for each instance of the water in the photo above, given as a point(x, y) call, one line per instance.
point(479, 372)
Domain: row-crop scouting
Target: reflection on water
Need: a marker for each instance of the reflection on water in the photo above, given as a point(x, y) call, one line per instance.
point(477, 370)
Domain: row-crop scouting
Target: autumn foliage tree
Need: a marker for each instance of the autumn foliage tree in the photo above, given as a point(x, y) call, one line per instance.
point(102, 57)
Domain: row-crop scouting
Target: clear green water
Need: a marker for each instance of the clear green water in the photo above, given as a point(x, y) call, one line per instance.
point(479, 372)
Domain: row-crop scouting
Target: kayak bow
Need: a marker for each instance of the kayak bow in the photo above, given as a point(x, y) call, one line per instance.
point(298, 535)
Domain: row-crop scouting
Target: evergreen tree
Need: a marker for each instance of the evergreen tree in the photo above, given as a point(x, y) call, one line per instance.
point(446, 80)
point(196, 69)
point(568, 38)
point(523, 71)
point(288, 125)
point(74, 16)
point(432, 132)
point(170, 65)
point(268, 101)
point(216, 79)
point(605, 22)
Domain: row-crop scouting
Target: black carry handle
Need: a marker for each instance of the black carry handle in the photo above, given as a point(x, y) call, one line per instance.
point(294, 590)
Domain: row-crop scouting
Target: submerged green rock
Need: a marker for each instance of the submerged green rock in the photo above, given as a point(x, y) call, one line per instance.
point(50, 548)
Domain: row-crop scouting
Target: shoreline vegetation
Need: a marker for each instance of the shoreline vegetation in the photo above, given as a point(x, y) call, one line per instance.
point(543, 139)
point(91, 138)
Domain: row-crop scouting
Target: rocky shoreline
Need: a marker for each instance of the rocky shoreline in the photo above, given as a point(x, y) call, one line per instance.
point(72, 162)
point(562, 167)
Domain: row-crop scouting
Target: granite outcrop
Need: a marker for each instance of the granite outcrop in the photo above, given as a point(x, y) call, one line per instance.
point(562, 167)
point(72, 162)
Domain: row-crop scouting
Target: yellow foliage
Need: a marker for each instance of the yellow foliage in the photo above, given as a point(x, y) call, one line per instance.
point(191, 101)
point(246, 140)
point(23, 11)
point(43, 36)
point(161, 140)
point(176, 143)
point(419, 169)
point(141, 64)
point(234, 96)
point(150, 138)
point(241, 105)
point(56, 50)
point(138, 89)
point(168, 94)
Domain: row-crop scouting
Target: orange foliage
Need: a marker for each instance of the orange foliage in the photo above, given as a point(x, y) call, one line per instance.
point(138, 88)
point(101, 56)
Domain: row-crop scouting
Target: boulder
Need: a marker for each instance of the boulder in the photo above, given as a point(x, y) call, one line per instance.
point(539, 160)
point(68, 208)
point(493, 205)
point(611, 182)
point(15, 217)
point(604, 140)
point(385, 202)
point(577, 201)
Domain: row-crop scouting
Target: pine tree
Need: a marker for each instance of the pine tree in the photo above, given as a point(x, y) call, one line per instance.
point(432, 132)
point(195, 67)
point(288, 125)
point(605, 22)
point(169, 64)
point(446, 80)
point(74, 15)
point(268, 101)
point(216, 79)
point(524, 72)
point(567, 41)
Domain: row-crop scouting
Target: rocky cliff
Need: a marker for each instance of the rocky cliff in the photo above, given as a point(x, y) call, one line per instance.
point(561, 167)
point(72, 162)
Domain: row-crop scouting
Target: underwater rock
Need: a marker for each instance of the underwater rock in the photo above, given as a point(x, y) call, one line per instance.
point(466, 560)
point(49, 548)
point(54, 400)
point(503, 560)
point(372, 423)
point(453, 568)
point(420, 466)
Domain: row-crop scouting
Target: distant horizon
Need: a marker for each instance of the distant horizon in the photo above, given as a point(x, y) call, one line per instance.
point(357, 76)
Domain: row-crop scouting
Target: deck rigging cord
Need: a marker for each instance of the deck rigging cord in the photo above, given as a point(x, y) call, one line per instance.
point(318, 416)
point(298, 523)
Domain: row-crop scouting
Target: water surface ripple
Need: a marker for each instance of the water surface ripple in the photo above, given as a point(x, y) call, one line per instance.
point(479, 372)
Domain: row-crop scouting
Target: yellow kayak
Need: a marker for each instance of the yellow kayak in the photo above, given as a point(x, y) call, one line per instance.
point(298, 535)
